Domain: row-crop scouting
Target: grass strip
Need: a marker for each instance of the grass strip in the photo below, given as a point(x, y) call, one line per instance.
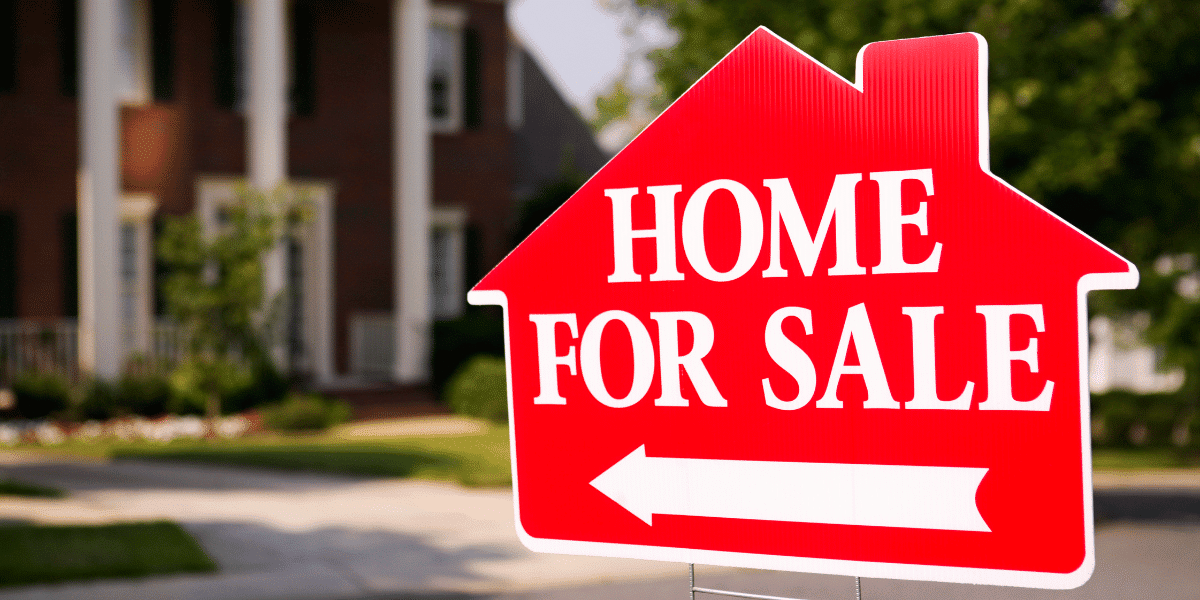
point(56, 553)
point(12, 487)
point(1123, 459)
point(476, 460)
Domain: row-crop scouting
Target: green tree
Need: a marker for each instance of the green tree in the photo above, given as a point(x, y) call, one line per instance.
point(215, 287)
point(1094, 108)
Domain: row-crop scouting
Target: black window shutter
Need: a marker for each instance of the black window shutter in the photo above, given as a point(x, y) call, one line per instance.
point(8, 265)
point(472, 79)
point(304, 68)
point(161, 271)
point(224, 84)
point(162, 55)
point(8, 45)
point(68, 47)
point(70, 265)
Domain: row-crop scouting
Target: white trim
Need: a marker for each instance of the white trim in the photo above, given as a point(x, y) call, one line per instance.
point(1089, 282)
point(317, 239)
point(411, 170)
point(98, 189)
point(266, 128)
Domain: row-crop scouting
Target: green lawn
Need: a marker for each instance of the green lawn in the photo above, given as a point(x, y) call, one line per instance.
point(12, 487)
point(474, 460)
point(1133, 459)
point(53, 553)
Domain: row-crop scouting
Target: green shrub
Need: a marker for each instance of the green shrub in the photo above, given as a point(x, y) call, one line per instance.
point(145, 394)
point(100, 401)
point(455, 342)
point(479, 389)
point(40, 395)
point(305, 412)
point(1156, 415)
point(264, 385)
point(240, 386)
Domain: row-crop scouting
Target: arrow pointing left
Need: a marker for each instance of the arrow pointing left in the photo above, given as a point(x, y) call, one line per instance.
point(921, 497)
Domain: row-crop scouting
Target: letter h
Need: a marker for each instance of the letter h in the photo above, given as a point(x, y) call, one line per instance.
point(663, 233)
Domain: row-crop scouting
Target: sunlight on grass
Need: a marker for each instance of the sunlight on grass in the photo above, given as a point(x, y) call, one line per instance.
point(472, 459)
point(12, 487)
point(1132, 459)
point(54, 553)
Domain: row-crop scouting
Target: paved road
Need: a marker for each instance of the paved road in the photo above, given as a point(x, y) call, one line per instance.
point(283, 535)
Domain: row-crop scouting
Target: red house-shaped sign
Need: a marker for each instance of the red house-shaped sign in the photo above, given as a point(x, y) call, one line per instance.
point(798, 324)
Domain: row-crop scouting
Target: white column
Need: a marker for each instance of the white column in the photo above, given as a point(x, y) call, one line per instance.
point(411, 195)
point(266, 128)
point(100, 349)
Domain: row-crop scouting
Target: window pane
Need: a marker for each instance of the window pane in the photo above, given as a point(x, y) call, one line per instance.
point(129, 281)
point(127, 49)
point(8, 45)
point(472, 79)
point(8, 264)
point(128, 254)
point(162, 30)
point(442, 41)
point(295, 307)
point(68, 49)
point(70, 265)
point(441, 254)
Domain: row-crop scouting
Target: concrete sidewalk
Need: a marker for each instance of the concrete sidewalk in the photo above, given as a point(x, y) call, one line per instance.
point(292, 535)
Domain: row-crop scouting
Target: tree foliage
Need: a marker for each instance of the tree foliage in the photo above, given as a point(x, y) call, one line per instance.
point(215, 288)
point(1094, 110)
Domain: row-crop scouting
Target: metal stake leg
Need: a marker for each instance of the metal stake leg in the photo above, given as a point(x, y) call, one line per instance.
point(693, 589)
point(692, 579)
point(857, 589)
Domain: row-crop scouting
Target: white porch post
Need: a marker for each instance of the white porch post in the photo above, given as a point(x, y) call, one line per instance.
point(266, 126)
point(100, 349)
point(411, 190)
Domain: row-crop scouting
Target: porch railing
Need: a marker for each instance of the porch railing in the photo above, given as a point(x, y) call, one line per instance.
point(52, 346)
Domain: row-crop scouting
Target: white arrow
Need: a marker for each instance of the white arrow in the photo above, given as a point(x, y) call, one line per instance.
point(842, 494)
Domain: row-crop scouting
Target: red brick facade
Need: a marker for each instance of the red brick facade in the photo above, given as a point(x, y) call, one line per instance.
point(346, 141)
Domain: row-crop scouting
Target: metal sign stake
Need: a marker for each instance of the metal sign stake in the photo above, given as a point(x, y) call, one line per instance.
point(694, 589)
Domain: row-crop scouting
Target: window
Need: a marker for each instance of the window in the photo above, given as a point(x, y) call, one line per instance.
point(136, 271)
point(472, 79)
point(515, 98)
point(129, 280)
point(69, 238)
point(133, 57)
point(162, 41)
point(8, 264)
point(446, 68)
point(229, 53)
point(68, 50)
point(446, 286)
point(304, 67)
point(136, 67)
point(8, 45)
point(297, 349)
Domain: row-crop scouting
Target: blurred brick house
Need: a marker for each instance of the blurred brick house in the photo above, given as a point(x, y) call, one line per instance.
point(402, 119)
